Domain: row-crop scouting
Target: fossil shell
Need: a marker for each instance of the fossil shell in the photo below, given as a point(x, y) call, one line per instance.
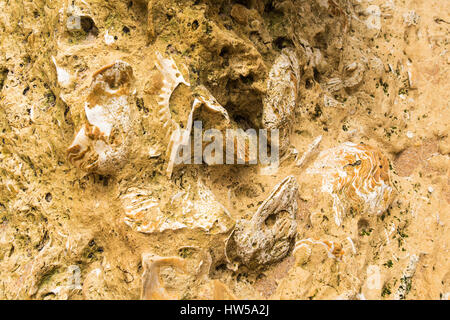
point(330, 102)
point(356, 71)
point(353, 76)
point(357, 178)
point(334, 84)
point(374, 17)
point(281, 98)
point(333, 249)
point(206, 109)
point(197, 208)
point(262, 240)
point(64, 77)
point(102, 144)
point(152, 286)
point(172, 78)
point(310, 152)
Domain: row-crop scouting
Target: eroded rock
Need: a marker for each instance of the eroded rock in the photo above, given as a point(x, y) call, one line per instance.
point(268, 236)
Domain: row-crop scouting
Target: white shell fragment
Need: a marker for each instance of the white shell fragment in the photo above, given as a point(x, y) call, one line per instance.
point(152, 285)
point(268, 236)
point(334, 250)
point(354, 74)
point(206, 109)
point(374, 17)
point(334, 84)
point(172, 78)
point(207, 106)
point(109, 39)
point(312, 150)
point(64, 78)
point(330, 102)
point(197, 208)
point(281, 99)
point(405, 281)
point(102, 144)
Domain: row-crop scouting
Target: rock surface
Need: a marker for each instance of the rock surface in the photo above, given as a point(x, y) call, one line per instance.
point(108, 221)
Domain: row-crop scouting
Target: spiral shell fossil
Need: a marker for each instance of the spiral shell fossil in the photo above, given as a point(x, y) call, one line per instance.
point(103, 142)
point(357, 178)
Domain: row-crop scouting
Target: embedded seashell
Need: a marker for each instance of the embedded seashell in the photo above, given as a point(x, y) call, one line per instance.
point(334, 84)
point(356, 70)
point(102, 144)
point(171, 79)
point(281, 98)
point(152, 286)
point(333, 249)
point(79, 18)
point(374, 17)
point(64, 77)
point(108, 38)
point(268, 236)
point(197, 208)
point(316, 59)
point(331, 102)
point(212, 115)
point(155, 288)
point(357, 178)
point(312, 150)
point(207, 109)
point(388, 8)
point(351, 67)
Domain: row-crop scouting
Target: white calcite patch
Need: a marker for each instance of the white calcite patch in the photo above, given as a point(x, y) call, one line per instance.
point(63, 76)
